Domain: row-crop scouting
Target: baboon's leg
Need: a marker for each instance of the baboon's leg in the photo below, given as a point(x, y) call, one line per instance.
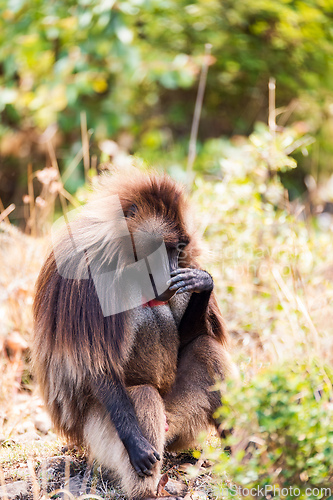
point(105, 445)
point(191, 403)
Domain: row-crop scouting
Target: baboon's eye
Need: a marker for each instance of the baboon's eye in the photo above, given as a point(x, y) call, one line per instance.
point(131, 211)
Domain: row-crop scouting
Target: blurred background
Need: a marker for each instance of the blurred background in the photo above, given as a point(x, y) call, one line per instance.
point(132, 67)
point(92, 84)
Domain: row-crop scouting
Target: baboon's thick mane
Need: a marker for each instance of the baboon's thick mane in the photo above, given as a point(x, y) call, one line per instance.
point(152, 193)
point(153, 202)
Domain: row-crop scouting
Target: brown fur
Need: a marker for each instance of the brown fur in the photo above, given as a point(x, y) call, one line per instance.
point(74, 343)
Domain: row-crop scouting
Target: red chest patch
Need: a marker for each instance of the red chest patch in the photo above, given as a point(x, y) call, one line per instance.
point(154, 302)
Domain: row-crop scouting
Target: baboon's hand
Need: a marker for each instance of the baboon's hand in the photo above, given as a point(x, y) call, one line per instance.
point(190, 280)
point(142, 456)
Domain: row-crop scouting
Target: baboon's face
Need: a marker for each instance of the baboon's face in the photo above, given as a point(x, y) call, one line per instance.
point(154, 232)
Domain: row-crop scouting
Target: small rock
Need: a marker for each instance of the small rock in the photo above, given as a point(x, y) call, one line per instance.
point(14, 490)
point(196, 495)
point(25, 426)
point(43, 423)
point(75, 485)
point(184, 467)
point(27, 437)
point(176, 488)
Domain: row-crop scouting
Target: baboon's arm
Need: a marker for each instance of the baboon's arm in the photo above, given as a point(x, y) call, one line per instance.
point(114, 397)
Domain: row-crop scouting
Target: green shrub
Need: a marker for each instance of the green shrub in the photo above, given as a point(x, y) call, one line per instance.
point(282, 423)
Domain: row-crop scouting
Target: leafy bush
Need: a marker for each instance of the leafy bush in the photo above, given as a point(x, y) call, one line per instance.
point(283, 429)
point(268, 261)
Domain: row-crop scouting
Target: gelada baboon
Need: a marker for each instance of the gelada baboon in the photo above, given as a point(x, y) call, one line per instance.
point(129, 338)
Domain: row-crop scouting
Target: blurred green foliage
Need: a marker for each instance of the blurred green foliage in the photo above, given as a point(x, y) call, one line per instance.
point(267, 260)
point(132, 65)
point(283, 431)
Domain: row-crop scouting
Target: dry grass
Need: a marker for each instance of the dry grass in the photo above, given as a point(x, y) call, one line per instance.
point(20, 260)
